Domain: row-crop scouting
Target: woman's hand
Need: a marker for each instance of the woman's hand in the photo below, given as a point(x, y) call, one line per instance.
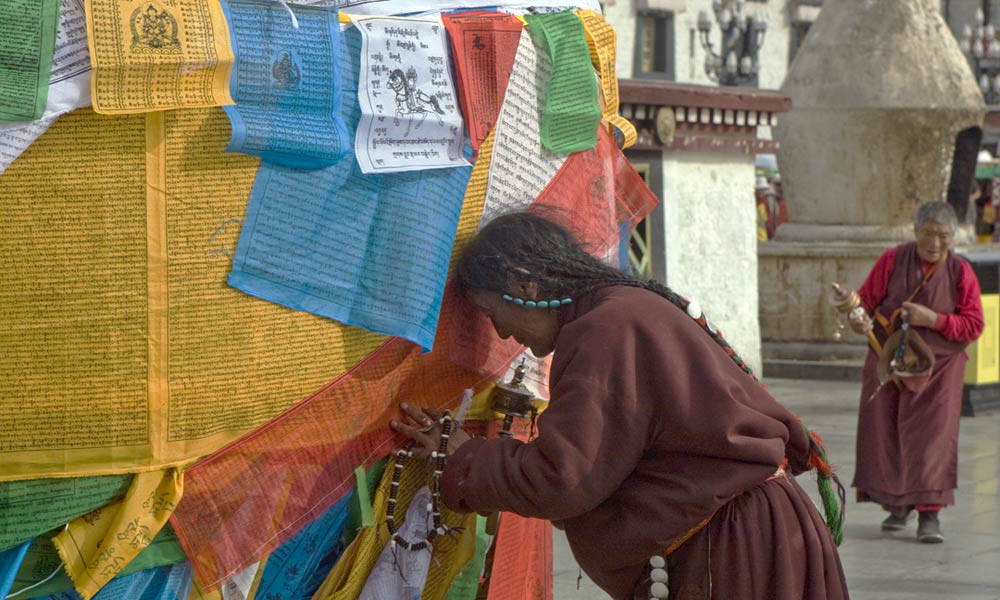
point(424, 428)
point(920, 315)
point(859, 321)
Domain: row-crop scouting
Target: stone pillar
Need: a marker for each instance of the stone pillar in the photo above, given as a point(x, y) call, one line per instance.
point(880, 90)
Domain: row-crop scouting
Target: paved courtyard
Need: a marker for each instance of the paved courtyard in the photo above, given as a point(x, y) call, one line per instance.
point(884, 566)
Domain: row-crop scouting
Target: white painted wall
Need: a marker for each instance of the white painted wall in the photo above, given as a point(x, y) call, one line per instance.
point(711, 243)
point(689, 66)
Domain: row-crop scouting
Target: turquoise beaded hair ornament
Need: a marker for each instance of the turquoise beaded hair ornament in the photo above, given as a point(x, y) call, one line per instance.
point(537, 303)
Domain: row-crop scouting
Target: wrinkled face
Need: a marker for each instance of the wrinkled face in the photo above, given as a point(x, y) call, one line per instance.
point(535, 328)
point(933, 240)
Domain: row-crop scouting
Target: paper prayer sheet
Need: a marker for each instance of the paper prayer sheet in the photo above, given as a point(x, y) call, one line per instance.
point(410, 119)
point(572, 114)
point(400, 574)
point(69, 86)
point(367, 250)
point(151, 56)
point(521, 167)
point(285, 84)
point(484, 45)
point(27, 38)
point(238, 588)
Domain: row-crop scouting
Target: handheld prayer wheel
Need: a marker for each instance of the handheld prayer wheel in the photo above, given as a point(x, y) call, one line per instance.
point(848, 302)
point(513, 399)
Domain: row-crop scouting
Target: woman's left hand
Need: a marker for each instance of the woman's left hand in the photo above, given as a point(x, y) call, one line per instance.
point(424, 428)
point(920, 315)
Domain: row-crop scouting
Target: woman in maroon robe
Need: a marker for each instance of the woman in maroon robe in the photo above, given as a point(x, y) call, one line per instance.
point(907, 447)
point(667, 465)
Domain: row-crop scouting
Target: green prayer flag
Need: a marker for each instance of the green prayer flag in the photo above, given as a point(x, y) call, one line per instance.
point(359, 510)
point(30, 508)
point(572, 114)
point(27, 40)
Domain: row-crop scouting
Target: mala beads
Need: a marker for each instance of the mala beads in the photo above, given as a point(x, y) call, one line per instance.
point(439, 456)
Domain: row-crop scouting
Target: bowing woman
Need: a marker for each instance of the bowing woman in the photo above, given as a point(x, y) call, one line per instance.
point(668, 466)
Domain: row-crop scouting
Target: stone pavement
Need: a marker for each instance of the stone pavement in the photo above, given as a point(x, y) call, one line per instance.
point(882, 566)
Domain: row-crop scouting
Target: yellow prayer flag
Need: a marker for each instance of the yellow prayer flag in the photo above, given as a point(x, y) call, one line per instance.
point(97, 546)
point(156, 56)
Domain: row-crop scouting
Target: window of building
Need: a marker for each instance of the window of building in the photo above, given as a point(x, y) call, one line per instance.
point(645, 245)
point(654, 45)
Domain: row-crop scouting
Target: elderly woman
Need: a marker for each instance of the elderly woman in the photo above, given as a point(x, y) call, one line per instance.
point(668, 466)
point(907, 452)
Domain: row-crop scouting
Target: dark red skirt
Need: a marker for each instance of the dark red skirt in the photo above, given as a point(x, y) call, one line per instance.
point(770, 543)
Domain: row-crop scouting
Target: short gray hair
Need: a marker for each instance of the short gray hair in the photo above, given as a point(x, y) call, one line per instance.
point(936, 212)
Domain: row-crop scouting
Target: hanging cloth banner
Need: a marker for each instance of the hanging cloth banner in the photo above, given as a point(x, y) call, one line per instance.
point(572, 115)
point(68, 84)
point(410, 118)
point(31, 507)
point(10, 562)
point(296, 568)
point(483, 46)
point(466, 585)
point(315, 446)
point(602, 43)
point(42, 561)
point(98, 546)
point(285, 83)
point(522, 561)
point(449, 554)
point(171, 582)
point(158, 56)
point(366, 250)
point(26, 47)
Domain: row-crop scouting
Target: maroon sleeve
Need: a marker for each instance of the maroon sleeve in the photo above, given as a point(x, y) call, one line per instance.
point(876, 285)
point(966, 323)
point(578, 460)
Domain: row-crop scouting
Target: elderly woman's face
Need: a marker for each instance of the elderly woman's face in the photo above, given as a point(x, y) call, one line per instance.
point(933, 240)
point(535, 328)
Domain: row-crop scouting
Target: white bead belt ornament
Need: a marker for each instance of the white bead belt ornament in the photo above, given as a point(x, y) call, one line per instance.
point(658, 576)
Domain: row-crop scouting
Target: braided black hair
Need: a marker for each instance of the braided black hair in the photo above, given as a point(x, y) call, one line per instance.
point(525, 246)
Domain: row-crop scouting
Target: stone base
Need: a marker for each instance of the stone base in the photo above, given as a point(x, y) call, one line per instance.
point(977, 399)
point(814, 360)
point(794, 283)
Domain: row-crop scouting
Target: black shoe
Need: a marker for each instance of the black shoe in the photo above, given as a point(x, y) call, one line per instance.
point(929, 529)
point(894, 522)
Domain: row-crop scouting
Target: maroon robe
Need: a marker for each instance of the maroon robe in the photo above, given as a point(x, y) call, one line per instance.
point(907, 445)
point(650, 429)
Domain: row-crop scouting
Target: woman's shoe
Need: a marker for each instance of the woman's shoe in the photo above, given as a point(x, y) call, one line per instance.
point(895, 522)
point(929, 528)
